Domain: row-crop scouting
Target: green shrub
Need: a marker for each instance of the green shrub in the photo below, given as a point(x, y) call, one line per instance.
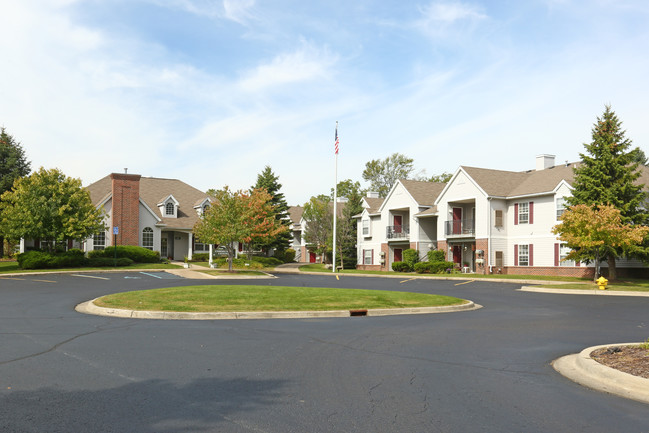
point(433, 267)
point(400, 267)
point(35, 259)
point(436, 256)
point(289, 255)
point(135, 253)
point(100, 262)
point(269, 262)
point(349, 262)
point(200, 257)
point(411, 256)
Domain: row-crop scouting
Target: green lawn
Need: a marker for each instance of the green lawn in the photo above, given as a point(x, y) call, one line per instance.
point(623, 285)
point(264, 298)
point(7, 267)
point(235, 272)
point(315, 267)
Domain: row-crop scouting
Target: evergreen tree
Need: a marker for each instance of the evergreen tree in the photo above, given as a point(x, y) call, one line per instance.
point(608, 175)
point(13, 165)
point(270, 182)
point(346, 226)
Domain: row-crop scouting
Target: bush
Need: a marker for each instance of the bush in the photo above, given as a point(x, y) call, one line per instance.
point(349, 262)
point(35, 259)
point(135, 253)
point(433, 267)
point(200, 257)
point(400, 267)
point(436, 256)
point(100, 262)
point(289, 255)
point(411, 256)
point(269, 262)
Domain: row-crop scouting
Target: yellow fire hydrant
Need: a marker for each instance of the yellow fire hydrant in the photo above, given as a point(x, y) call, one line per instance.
point(601, 283)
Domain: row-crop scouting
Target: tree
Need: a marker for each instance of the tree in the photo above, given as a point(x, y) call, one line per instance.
point(594, 232)
point(268, 181)
point(441, 178)
point(237, 216)
point(608, 175)
point(346, 226)
point(50, 206)
point(640, 157)
point(319, 228)
point(382, 174)
point(13, 165)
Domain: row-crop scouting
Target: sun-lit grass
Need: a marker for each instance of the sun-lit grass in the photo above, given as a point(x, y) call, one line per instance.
point(631, 285)
point(316, 267)
point(7, 267)
point(265, 298)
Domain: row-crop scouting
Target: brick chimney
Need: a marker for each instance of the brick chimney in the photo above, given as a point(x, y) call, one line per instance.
point(126, 207)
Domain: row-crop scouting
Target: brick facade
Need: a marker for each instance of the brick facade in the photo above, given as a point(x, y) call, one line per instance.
point(126, 208)
point(482, 244)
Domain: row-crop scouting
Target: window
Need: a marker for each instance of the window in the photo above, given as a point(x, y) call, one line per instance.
point(499, 218)
point(563, 252)
point(561, 207)
point(200, 246)
point(366, 227)
point(367, 257)
point(99, 241)
point(523, 255)
point(169, 209)
point(499, 259)
point(523, 213)
point(147, 238)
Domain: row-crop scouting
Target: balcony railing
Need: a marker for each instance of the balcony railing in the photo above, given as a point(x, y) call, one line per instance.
point(397, 232)
point(460, 228)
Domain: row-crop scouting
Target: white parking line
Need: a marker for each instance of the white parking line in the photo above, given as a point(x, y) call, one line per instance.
point(90, 276)
point(151, 275)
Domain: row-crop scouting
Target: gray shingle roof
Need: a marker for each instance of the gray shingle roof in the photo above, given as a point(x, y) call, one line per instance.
point(424, 193)
point(151, 189)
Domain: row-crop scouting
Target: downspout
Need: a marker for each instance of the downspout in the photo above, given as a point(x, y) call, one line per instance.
point(489, 236)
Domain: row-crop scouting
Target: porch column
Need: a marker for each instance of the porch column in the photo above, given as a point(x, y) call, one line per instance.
point(189, 246)
point(210, 256)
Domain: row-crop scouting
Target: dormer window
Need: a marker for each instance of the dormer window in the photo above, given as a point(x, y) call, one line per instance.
point(168, 207)
point(202, 206)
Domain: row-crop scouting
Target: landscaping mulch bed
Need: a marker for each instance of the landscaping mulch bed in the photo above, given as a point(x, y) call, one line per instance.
point(629, 359)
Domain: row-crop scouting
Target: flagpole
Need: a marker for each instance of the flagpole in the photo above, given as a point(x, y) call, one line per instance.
point(335, 198)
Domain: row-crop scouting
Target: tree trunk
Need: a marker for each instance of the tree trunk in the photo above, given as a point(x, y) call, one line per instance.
point(2, 246)
point(612, 270)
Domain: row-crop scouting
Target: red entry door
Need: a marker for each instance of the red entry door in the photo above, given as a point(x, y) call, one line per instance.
point(398, 257)
point(457, 220)
point(457, 254)
point(311, 257)
point(397, 224)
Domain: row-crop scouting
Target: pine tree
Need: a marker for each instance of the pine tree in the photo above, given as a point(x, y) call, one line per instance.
point(13, 165)
point(270, 182)
point(608, 175)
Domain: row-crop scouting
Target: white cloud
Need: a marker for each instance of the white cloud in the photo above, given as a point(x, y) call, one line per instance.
point(449, 13)
point(306, 64)
point(240, 11)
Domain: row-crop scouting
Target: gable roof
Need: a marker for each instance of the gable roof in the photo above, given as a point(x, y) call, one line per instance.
point(373, 204)
point(295, 214)
point(151, 189)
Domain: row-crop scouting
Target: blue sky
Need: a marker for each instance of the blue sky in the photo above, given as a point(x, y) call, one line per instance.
point(212, 91)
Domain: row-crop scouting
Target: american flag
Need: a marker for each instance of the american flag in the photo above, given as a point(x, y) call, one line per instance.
point(337, 141)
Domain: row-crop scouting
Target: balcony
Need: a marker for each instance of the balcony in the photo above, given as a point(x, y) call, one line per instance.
point(397, 232)
point(460, 228)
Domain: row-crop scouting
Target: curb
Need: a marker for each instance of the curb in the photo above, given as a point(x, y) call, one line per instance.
point(89, 307)
point(584, 370)
point(593, 292)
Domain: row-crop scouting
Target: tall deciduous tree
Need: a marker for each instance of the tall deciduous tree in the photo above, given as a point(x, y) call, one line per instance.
point(237, 216)
point(13, 165)
point(50, 206)
point(319, 224)
point(270, 182)
point(594, 233)
point(382, 174)
point(608, 175)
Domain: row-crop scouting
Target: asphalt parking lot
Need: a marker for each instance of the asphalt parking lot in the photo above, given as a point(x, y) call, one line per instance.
point(480, 371)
